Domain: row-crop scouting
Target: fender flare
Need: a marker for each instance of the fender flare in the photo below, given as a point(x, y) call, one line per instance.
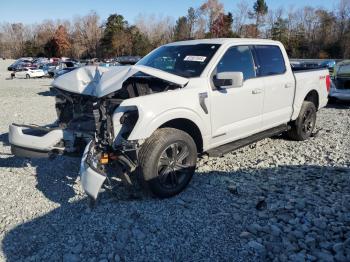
point(144, 128)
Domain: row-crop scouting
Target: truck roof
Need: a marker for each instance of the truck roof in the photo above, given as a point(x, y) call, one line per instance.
point(225, 41)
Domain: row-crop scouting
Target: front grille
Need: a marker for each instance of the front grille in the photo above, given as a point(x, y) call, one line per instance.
point(75, 111)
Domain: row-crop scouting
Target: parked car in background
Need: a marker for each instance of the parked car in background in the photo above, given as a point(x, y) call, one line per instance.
point(54, 60)
point(330, 64)
point(109, 64)
point(43, 67)
point(20, 63)
point(29, 73)
point(64, 71)
point(40, 61)
point(127, 60)
point(50, 68)
point(340, 88)
point(300, 64)
point(63, 65)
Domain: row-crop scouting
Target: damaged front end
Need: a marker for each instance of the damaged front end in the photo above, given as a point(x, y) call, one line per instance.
point(92, 121)
point(114, 123)
point(74, 128)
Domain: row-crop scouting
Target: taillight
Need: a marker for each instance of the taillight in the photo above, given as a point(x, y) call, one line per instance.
point(328, 83)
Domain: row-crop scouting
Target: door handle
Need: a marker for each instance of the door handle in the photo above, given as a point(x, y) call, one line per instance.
point(289, 85)
point(256, 91)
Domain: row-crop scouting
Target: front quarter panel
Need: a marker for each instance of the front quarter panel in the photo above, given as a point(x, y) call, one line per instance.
point(157, 109)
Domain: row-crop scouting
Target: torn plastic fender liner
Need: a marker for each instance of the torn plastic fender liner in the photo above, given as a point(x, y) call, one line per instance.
point(100, 81)
point(91, 180)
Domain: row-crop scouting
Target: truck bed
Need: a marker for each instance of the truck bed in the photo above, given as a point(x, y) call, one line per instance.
point(312, 79)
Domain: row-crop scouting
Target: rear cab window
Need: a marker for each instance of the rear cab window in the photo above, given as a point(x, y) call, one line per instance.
point(270, 60)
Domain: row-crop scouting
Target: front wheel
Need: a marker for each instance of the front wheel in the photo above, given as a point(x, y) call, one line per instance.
point(167, 161)
point(302, 127)
point(27, 76)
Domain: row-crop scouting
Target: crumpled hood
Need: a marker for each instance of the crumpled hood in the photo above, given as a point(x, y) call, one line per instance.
point(101, 81)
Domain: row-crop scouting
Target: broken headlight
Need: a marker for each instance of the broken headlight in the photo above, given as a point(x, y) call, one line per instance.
point(128, 121)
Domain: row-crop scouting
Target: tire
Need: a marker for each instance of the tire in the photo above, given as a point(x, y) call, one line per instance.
point(27, 76)
point(167, 161)
point(302, 127)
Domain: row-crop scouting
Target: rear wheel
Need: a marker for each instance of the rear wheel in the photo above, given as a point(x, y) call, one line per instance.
point(303, 126)
point(27, 76)
point(167, 161)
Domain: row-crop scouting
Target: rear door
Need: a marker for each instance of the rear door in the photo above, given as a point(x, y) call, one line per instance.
point(236, 112)
point(279, 85)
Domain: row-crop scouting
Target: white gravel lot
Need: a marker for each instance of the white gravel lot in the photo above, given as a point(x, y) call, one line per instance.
point(280, 200)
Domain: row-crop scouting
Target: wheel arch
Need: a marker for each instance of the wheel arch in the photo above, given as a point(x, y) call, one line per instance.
point(189, 127)
point(313, 97)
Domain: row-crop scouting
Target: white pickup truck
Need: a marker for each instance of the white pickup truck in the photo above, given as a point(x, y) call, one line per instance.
point(183, 99)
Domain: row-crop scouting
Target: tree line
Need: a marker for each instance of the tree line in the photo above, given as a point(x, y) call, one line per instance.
point(306, 32)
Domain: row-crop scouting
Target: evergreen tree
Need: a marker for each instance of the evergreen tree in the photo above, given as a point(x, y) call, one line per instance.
point(279, 31)
point(182, 29)
point(140, 43)
point(115, 40)
point(260, 9)
point(192, 18)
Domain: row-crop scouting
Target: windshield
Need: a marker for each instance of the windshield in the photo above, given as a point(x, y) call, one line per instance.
point(181, 60)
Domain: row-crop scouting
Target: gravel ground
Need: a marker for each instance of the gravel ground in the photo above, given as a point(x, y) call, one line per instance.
point(278, 200)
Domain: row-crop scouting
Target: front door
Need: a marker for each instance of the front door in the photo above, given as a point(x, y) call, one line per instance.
point(236, 112)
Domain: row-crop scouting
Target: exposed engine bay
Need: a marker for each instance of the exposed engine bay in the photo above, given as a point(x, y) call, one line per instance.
point(90, 117)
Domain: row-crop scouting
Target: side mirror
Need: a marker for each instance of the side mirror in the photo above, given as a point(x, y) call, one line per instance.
point(228, 79)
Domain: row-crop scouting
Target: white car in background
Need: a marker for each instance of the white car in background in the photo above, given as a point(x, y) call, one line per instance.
point(29, 73)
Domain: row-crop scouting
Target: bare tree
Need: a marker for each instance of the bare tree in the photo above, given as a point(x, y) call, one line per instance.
point(272, 17)
point(343, 26)
point(210, 11)
point(15, 36)
point(240, 17)
point(260, 9)
point(159, 30)
point(87, 34)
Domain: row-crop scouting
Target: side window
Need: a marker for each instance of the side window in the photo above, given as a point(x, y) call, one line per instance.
point(237, 59)
point(270, 60)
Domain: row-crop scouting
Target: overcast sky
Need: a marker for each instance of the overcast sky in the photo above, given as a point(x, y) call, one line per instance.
point(32, 11)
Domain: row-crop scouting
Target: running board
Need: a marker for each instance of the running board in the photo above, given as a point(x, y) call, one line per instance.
point(221, 150)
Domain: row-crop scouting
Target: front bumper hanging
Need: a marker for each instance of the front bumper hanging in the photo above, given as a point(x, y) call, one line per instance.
point(33, 141)
point(92, 179)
